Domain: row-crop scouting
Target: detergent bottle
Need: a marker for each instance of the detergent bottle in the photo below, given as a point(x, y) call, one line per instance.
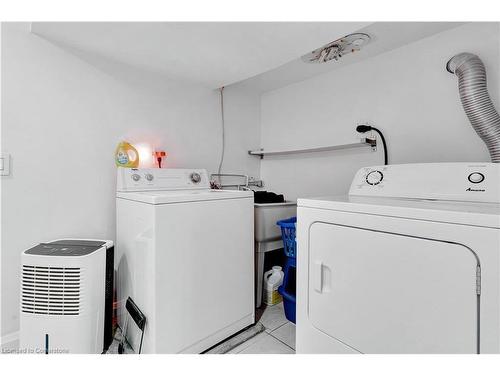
point(272, 281)
point(126, 155)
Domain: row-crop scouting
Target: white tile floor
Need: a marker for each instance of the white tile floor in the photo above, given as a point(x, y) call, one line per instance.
point(278, 338)
point(286, 334)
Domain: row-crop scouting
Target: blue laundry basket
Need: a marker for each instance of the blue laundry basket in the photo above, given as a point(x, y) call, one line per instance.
point(288, 236)
point(288, 288)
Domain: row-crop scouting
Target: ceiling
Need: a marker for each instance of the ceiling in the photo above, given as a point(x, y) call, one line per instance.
point(213, 54)
point(385, 36)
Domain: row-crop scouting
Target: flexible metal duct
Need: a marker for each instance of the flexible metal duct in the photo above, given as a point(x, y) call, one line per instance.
point(476, 101)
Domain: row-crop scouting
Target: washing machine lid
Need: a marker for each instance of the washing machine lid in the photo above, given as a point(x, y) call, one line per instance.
point(183, 196)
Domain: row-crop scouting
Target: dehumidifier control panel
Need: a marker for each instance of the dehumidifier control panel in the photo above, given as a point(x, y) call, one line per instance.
point(66, 248)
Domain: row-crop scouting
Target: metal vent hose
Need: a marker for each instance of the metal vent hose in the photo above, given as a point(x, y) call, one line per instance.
point(476, 101)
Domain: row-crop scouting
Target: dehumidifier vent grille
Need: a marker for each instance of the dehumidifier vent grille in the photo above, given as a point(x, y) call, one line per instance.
point(50, 290)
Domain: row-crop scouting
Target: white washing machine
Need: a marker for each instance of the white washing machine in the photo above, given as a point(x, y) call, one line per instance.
point(185, 255)
point(408, 262)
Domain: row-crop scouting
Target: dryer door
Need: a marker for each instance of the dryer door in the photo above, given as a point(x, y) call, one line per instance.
point(398, 294)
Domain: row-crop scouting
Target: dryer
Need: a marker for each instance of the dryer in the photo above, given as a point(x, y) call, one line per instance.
point(185, 256)
point(408, 262)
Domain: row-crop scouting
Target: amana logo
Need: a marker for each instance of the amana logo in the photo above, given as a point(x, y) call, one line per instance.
point(471, 189)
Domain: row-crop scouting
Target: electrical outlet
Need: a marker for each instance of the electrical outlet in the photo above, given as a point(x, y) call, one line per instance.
point(4, 165)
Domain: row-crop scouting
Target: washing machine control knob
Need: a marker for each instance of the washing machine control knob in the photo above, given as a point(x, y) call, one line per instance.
point(195, 177)
point(149, 177)
point(374, 177)
point(136, 177)
point(476, 177)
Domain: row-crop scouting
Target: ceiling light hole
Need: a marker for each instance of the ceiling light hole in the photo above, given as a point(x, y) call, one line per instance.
point(338, 48)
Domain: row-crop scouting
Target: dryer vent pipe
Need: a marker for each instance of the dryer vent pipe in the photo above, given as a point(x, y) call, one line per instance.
point(476, 101)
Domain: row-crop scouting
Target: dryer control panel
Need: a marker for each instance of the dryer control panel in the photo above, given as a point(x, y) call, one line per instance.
point(468, 182)
point(148, 179)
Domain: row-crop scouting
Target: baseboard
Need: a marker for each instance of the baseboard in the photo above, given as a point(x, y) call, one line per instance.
point(7, 341)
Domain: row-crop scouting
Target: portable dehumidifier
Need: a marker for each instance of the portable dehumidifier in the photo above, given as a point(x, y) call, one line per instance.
point(67, 297)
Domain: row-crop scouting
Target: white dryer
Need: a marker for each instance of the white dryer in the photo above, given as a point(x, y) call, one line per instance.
point(408, 262)
point(184, 254)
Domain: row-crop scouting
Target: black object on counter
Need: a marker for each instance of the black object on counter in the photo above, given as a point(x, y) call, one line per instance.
point(267, 197)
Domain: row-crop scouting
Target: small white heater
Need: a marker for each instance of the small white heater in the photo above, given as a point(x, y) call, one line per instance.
point(67, 297)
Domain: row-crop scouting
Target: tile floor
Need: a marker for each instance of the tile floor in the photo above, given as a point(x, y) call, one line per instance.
point(278, 338)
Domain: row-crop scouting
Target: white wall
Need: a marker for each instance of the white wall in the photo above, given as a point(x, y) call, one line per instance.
point(61, 121)
point(405, 92)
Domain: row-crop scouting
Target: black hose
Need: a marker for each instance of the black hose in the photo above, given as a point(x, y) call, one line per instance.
point(366, 128)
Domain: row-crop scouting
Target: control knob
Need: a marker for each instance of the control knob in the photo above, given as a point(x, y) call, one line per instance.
point(195, 177)
point(476, 177)
point(374, 177)
point(136, 177)
point(149, 177)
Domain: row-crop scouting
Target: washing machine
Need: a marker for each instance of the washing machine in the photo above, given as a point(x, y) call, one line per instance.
point(184, 254)
point(408, 262)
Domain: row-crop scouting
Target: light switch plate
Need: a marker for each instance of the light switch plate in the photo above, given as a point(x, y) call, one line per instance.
point(4, 165)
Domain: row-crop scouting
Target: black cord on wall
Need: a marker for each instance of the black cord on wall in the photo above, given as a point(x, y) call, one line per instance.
point(367, 128)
